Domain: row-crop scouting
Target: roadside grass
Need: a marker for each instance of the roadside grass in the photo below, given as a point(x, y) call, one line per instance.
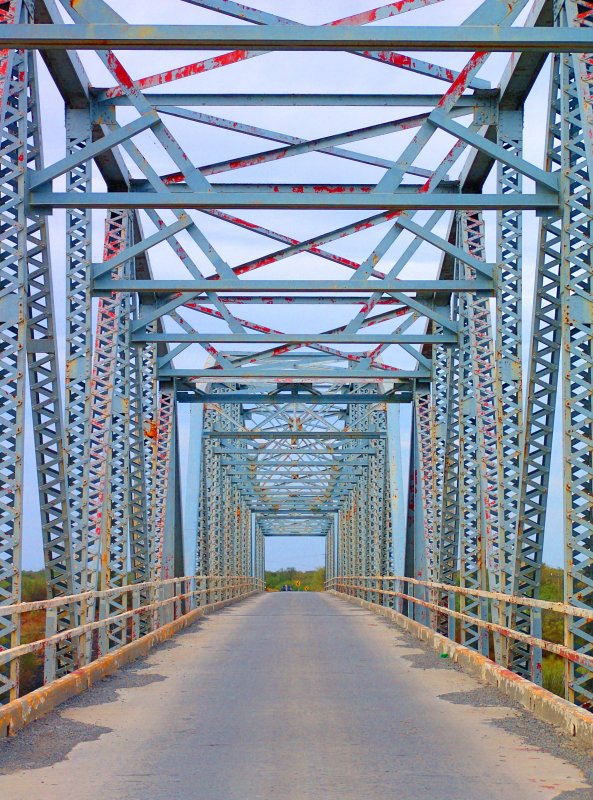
point(553, 667)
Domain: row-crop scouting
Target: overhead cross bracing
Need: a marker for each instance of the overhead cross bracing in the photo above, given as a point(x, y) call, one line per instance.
point(296, 227)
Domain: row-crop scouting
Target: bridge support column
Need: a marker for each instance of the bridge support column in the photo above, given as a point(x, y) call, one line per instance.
point(508, 362)
point(576, 287)
point(415, 566)
point(13, 322)
point(395, 555)
point(478, 464)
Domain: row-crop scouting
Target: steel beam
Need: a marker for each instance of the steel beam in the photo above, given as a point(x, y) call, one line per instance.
point(338, 197)
point(465, 39)
point(301, 397)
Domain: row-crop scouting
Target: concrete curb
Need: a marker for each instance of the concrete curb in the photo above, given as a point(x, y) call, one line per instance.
point(14, 716)
point(572, 720)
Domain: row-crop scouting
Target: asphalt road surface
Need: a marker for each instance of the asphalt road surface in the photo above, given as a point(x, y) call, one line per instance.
point(286, 696)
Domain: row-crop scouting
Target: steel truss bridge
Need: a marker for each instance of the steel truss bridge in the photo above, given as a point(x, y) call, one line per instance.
point(249, 312)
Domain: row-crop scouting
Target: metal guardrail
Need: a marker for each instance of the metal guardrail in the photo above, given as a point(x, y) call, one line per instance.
point(146, 607)
point(442, 605)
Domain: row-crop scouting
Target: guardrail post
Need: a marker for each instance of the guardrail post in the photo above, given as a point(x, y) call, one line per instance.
point(82, 643)
point(162, 610)
point(452, 625)
point(152, 614)
point(192, 593)
point(103, 636)
point(535, 653)
point(136, 603)
point(177, 590)
point(49, 661)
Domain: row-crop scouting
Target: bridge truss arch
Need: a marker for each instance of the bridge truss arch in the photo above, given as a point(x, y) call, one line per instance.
point(300, 296)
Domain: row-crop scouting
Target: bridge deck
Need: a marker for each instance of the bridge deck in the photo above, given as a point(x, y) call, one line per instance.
point(290, 696)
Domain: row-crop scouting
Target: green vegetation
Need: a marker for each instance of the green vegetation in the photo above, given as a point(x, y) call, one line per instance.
point(314, 579)
point(32, 628)
point(553, 629)
point(553, 667)
point(33, 587)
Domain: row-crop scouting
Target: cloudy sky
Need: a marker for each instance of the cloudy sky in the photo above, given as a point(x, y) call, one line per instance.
point(291, 72)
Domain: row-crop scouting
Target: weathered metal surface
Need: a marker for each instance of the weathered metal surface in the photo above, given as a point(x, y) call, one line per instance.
point(362, 590)
point(196, 37)
point(295, 353)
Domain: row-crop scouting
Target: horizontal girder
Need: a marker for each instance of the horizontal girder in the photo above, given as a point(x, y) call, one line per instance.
point(286, 37)
point(301, 397)
point(293, 196)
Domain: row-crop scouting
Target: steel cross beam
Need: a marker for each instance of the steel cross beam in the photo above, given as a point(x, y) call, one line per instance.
point(489, 38)
point(317, 99)
point(300, 397)
point(297, 196)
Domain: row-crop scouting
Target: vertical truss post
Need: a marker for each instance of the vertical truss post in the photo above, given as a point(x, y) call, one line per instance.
point(377, 527)
point(237, 568)
point(482, 356)
point(150, 413)
point(450, 516)
point(416, 550)
point(26, 273)
point(227, 519)
point(576, 282)
point(249, 540)
point(109, 469)
point(211, 499)
point(425, 478)
point(116, 498)
point(160, 488)
point(508, 374)
point(44, 385)
point(330, 550)
point(246, 521)
point(173, 556)
point(252, 532)
point(44, 379)
point(450, 508)
point(363, 503)
point(229, 419)
point(244, 538)
point(106, 400)
point(540, 410)
point(349, 549)
point(78, 345)
point(440, 419)
point(342, 566)
point(260, 549)
point(191, 519)
point(13, 335)
point(396, 556)
point(139, 509)
point(473, 478)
